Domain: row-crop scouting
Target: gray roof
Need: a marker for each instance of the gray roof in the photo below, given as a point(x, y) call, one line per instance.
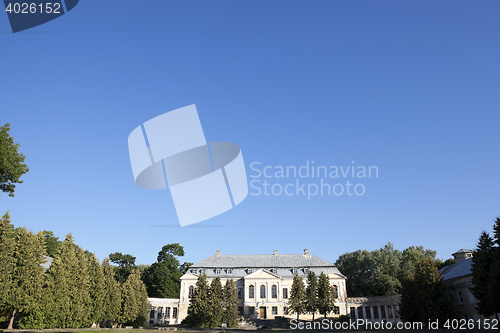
point(463, 251)
point(262, 261)
point(48, 263)
point(454, 271)
point(241, 265)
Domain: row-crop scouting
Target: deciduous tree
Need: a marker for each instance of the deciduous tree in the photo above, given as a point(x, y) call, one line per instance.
point(11, 162)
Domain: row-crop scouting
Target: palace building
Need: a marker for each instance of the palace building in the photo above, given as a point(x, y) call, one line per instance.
point(264, 283)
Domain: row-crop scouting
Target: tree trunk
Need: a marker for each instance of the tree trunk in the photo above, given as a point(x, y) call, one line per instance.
point(11, 322)
point(313, 315)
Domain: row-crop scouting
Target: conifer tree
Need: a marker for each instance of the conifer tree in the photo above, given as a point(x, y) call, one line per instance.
point(199, 306)
point(326, 302)
point(230, 304)
point(134, 300)
point(424, 296)
point(495, 270)
point(81, 304)
point(297, 300)
point(481, 275)
point(312, 293)
point(28, 274)
point(112, 292)
point(7, 244)
point(97, 290)
point(216, 302)
point(62, 276)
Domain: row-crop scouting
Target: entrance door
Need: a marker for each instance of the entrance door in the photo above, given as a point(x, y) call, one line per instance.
point(263, 313)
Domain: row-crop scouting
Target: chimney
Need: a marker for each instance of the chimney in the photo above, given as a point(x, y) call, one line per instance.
point(275, 252)
point(218, 253)
point(306, 252)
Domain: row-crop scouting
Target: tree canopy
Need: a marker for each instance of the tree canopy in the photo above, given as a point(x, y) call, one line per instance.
point(12, 165)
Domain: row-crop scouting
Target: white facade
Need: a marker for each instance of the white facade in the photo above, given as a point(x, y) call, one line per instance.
point(264, 282)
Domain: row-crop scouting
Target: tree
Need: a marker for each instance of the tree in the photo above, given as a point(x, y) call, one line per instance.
point(134, 300)
point(386, 272)
point(163, 278)
point(28, 274)
point(481, 275)
point(412, 256)
point(11, 162)
point(97, 290)
point(495, 269)
point(326, 302)
point(199, 306)
point(230, 304)
point(424, 296)
point(125, 262)
point(113, 297)
point(358, 267)
point(297, 300)
point(51, 242)
point(216, 302)
point(6, 262)
point(312, 293)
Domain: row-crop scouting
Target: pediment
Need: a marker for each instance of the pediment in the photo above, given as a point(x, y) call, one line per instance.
point(189, 276)
point(336, 276)
point(262, 274)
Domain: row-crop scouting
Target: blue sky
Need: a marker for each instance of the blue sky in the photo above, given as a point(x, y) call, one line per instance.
point(410, 87)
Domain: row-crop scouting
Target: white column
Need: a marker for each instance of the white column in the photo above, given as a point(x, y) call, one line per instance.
point(393, 312)
point(156, 315)
point(372, 313)
point(268, 296)
point(379, 308)
point(364, 312)
point(356, 312)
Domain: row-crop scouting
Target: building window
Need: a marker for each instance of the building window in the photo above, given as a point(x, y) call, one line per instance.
point(202, 271)
point(285, 310)
point(251, 310)
point(229, 271)
point(274, 291)
point(251, 292)
point(262, 291)
point(460, 297)
point(240, 310)
point(193, 271)
point(240, 292)
point(174, 313)
point(151, 313)
point(191, 291)
point(249, 271)
point(306, 270)
point(294, 270)
point(274, 270)
point(335, 291)
point(217, 271)
point(336, 310)
point(285, 293)
point(167, 312)
point(275, 310)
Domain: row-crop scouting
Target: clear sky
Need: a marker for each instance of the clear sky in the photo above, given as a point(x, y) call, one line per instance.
point(411, 87)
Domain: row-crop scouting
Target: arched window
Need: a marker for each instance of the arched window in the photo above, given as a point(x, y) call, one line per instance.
point(335, 291)
point(251, 292)
point(191, 291)
point(274, 291)
point(263, 291)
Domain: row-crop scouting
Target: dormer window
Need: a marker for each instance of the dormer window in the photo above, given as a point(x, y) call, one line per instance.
point(306, 270)
point(229, 271)
point(294, 270)
point(202, 271)
point(217, 271)
point(193, 271)
point(249, 271)
point(274, 270)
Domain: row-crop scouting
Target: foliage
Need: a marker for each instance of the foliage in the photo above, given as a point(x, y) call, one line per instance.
point(216, 303)
point(51, 243)
point(486, 272)
point(134, 301)
point(424, 295)
point(312, 293)
point(199, 307)
point(162, 278)
point(113, 299)
point(230, 304)
point(297, 300)
point(326, 302)
point(7, 244)
point(125, 262)
point(380, 272)
point(11, 162)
